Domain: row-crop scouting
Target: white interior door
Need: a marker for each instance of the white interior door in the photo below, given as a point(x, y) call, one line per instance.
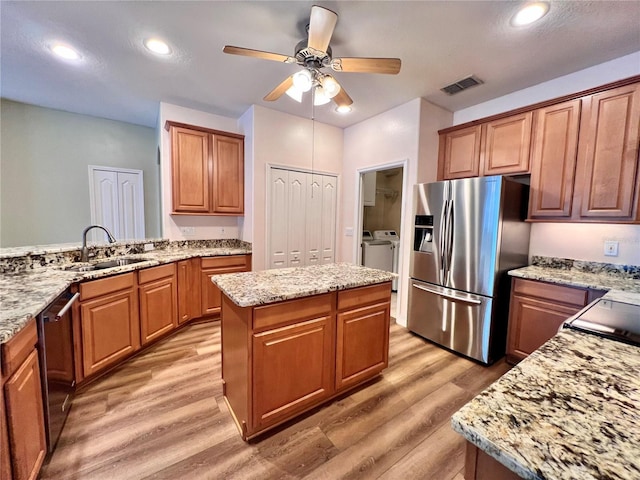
point(328, 218)
point(297, 218)
point(313, 220)
point(117, 202)
point(278, 215)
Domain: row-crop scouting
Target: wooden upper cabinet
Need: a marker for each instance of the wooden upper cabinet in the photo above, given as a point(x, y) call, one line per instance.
point(507, 144)
point(207, 171)
point(607, 173)
point(190, 170)
point(553, 160)
point(460, 153)
point(228, 174)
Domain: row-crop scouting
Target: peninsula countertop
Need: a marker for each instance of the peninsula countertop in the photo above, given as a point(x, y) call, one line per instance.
point(249, 289)
point(569, 411)
point(27, 291)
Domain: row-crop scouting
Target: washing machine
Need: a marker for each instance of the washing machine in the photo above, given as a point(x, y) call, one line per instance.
point(376, 253)
point(392, 237)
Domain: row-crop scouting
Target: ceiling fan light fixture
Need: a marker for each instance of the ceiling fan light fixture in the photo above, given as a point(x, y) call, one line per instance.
point(294, 93)
point(157, 46)
point(330, 86)
point(343, 109)
point(530, 13)
point(320, 97)
point(303, 80)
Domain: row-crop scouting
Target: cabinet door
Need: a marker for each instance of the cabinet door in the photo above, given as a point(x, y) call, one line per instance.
point(278, 217)
point(5, 462)
point(531, 323)
point(553, 160)
point(25, 419)
point(190, 170)
point(211, 295)
point(188, 290)
point(158, 308)
point(362, 346)
point(110, 330)
point(507, 145)
point(459, 153)
point(228, 175)
point(608, 154)
point(292, 369)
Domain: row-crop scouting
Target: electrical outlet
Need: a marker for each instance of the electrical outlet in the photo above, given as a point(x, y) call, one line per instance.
point(221, 230)
point(187, 231)
point(611, 248)
point(148, 247)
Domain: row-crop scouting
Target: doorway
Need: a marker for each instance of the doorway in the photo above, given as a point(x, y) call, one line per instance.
point(380, 221)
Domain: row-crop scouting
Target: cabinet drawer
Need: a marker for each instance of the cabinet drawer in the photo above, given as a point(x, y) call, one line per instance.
point(155, 273)
point(358, 297)
point(95, 288)
point(292, 311)
point(18, 348)
point(550, 291)
point(225, 262)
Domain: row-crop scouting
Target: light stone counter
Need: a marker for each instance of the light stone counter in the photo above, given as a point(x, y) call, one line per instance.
point(249, 289)
point(570, 411)
point(28, 286)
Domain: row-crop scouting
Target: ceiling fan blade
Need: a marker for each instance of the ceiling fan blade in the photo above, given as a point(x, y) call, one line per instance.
point(247, 52)
point(342, 99)
point(321, 25)
point(389, 66)
point(277, 92)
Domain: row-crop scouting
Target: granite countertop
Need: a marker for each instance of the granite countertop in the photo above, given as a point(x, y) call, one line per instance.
point(25, 293)
point(570, 411)
point(250, 289)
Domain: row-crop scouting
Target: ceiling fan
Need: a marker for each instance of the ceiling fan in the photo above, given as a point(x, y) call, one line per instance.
point(314, 54)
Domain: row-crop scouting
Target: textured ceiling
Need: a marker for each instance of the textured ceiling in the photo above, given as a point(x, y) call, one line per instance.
point(438, 42)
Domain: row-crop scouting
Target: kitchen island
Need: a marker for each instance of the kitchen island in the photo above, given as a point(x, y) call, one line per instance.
point(294, 338)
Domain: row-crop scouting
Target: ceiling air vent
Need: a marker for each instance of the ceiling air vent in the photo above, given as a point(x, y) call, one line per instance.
point(461, 85)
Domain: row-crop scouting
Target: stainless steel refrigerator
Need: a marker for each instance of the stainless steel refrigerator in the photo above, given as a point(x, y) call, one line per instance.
point(467, 234)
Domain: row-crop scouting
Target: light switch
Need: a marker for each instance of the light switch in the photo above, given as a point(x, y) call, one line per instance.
point(348, 232)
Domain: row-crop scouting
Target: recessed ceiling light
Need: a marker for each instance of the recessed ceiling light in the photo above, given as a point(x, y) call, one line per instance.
point(529, 14)
point(65, 51)
point(343, 109)
point(157, 46)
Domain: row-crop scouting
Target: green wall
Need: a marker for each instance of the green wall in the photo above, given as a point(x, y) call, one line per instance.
point(44, 179)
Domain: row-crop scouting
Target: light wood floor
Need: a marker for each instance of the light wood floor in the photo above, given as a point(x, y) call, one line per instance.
point(162, 416)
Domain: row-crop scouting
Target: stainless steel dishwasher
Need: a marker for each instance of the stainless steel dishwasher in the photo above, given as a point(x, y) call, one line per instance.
point(55, 351)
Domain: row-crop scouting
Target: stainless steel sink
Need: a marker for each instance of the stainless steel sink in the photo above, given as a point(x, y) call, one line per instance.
point(118, 262)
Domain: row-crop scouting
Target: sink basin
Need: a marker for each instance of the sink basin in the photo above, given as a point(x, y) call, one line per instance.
point(118, 262)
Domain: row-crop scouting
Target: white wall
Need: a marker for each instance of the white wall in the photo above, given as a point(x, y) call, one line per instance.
point(578, 241)
point(405, 133)
point(280, 139)
point(206, 226)
point(617, 69)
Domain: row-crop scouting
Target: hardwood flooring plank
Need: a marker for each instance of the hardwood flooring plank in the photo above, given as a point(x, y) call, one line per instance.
point(162, 415)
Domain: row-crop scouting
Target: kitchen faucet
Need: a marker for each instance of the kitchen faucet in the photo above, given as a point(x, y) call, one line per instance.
point(84, 257)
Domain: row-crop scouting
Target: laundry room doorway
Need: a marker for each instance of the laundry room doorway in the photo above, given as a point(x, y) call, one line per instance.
point(381, 211)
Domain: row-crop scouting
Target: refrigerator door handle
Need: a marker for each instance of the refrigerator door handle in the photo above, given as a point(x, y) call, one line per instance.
point(448, 296)
point(442, 243)
point(449, 238)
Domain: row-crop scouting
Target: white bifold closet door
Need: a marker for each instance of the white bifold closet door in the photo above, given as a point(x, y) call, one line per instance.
point(301, 225)
point(117, 202)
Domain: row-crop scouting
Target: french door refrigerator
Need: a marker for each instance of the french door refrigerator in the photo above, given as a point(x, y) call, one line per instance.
point(467, 234)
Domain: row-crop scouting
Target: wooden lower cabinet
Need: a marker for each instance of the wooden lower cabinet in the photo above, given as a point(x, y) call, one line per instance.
point(158, 300)
point(189, 294)
point(282, 359)
point(211, 296)
point(536, 312)
point(24, 427)
point(109, 321)
point(5, 457)
point(481, 466)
